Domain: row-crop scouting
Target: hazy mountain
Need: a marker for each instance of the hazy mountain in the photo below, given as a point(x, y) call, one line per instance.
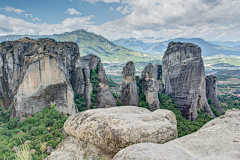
point(208, 49)
point(227, 43)
point(134, 44)
point(90, 43)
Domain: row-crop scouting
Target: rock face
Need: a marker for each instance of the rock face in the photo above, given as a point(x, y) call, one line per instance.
point(129, 95)
point(219, 139)
point(151, 86)
point(184, 78)
point(33, 71)
point(104, 94)
point(103, 132)
point(211, 91)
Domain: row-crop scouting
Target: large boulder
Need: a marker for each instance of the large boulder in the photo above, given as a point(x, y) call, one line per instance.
point(211, 91)
point(219, 139)
point(33, 71)
point(108, 130)
point(129, 94)
point(151, 86)
point(183, 77)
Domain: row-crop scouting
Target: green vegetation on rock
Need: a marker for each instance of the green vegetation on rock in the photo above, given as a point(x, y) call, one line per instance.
point(95, 82)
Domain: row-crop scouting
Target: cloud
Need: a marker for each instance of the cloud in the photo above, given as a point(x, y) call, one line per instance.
point(36, 19)
point(12, 9)
point(119, 8)
point(110, 9)
point(73, 11)
point(105, 1)
point(30, 15)
point(207, 19)
point(17, 26)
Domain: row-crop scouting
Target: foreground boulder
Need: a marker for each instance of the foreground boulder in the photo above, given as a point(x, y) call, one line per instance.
point(101, 133)
point(211, 92)
point(129, 94)
point(183, 77)
point(219, 139)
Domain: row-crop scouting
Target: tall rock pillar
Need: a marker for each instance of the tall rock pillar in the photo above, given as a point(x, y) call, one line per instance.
point(184, 78)
point(129, 95)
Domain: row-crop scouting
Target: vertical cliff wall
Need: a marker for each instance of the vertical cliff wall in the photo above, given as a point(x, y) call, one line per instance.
point(211, 91)
point(129, 94)
point(183, 77)
point(37, 73)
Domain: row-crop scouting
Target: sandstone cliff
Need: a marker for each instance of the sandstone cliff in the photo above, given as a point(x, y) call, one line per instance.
point(184, 78)
point(211, 91)
point(151, 86)
point(101, 133)
point(104, 98)
point(33, 71)
point(129, 94)
point(219, 139)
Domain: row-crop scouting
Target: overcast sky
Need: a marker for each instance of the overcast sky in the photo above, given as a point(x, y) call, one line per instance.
point(113, 19)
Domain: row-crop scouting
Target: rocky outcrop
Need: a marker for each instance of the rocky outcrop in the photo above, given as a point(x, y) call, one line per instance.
point(219, 139)
point(158, 76)
point(129, 94)
point(101, 133)
point(211, 92)
point(151, 86)
point(104, 96)
point(184, 78)
point(33, 71)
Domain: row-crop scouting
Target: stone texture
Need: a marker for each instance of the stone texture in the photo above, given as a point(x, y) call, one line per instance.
point(74, 149)
point(184, 78)
point(33, 71)
point(151, 86)
point(104, 94)
point(105, 131)
point(211, 92)
point(219, 139)
point(129, 95)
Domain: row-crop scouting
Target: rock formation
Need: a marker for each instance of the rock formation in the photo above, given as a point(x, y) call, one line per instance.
point(158, 76)
point(101, 133)
point(151, 86)
point(104, 94)
point(184, 78)
point(38, 73)
point(219, 139)
point(129, 94)
point(211, 92)
point(33, 71)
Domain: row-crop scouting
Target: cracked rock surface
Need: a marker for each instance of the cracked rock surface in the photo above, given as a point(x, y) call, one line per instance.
point(219, 139)
point(112, 129)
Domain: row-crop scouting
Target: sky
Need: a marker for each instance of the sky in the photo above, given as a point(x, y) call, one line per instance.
point(114, 19)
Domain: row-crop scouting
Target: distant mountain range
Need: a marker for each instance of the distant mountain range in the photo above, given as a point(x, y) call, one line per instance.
point(123, 50)
point(208, 49)
point(90, 43)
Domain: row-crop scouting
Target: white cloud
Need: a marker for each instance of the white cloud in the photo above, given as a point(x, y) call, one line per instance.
point(30, 15)
point(21, 27)
point(12, 9)
point(105, 1)
point(36, 19)
point(207, 19)
point(72, 11)
point(110, 9)
point(119, 8)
